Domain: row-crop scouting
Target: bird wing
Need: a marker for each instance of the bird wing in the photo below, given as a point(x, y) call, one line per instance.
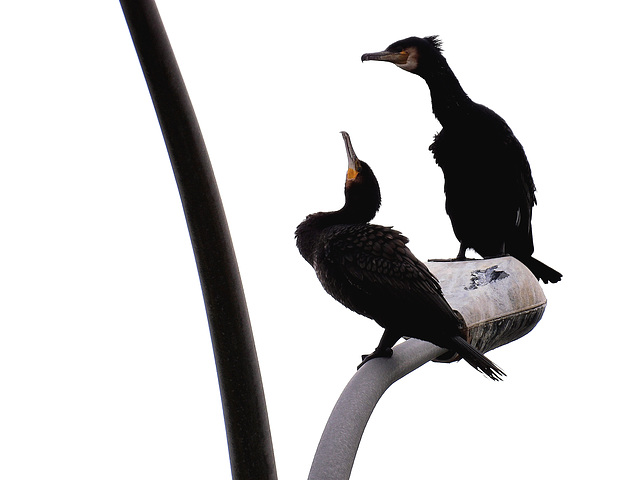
point(520, 241)
point(481, 149)
point(375, 259)
point(516, 159)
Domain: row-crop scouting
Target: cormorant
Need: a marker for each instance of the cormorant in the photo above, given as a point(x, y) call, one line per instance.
point(487, 178)
point(369, 269)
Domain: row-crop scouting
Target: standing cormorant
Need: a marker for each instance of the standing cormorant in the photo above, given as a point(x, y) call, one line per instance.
point(369, 269)
point(487, 179)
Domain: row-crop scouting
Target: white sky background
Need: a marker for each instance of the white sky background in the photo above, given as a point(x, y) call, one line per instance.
point(106, 368)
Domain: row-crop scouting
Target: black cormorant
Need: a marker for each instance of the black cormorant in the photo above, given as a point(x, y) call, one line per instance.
point(487, 179)
point(369, 269)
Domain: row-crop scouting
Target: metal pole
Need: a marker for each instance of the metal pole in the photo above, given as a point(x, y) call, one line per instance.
point(340, 440)
point(501, 301)
point(243, 403)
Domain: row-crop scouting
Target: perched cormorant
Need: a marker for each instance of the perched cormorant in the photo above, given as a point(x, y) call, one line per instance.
point(369, 269)
point(487, 179)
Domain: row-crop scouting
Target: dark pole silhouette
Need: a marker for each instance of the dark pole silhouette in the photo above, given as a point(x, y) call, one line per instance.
point(243, 403)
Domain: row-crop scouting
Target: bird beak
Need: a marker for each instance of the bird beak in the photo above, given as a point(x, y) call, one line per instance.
point(354, 163)
point(385, 56)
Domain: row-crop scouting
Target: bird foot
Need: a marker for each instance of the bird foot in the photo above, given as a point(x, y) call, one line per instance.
point(377, 353)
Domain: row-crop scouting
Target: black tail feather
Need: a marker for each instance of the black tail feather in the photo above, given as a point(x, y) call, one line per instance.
point(476, 359)
point(541, 271)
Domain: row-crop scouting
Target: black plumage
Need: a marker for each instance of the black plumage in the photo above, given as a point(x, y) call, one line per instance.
point(370, 270)
point(488, 185)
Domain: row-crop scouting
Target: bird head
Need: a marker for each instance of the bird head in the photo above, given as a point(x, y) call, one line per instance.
point(354, 163)
point(408, 54)
point(361, 186)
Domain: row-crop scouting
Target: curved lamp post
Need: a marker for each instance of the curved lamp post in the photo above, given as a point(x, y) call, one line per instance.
point(500, 300)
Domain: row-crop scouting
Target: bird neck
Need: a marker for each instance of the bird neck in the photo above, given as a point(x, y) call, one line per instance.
point(310, 231)
point(362, 201)
point(448, 99)
point(351, 213)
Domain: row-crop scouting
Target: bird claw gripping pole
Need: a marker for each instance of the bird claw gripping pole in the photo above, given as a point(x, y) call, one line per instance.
point(500, 300)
